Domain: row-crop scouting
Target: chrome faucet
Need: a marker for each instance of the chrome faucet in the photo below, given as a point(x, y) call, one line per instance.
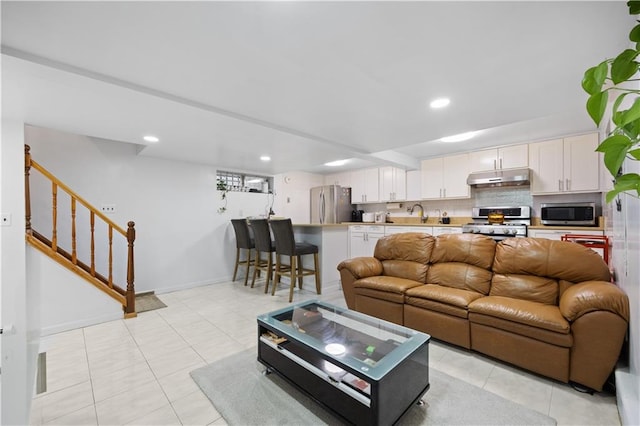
point(423, 219)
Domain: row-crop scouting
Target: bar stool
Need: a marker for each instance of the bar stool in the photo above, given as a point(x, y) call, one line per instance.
point(243, 241)
point(263, 243)
point(287, 246)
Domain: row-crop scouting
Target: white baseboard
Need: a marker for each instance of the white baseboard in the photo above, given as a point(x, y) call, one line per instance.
point(84, 322)
point(186, 286)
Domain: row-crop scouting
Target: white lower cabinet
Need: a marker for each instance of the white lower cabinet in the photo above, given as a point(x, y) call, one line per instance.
point(363, 239)
point(388, 230)
point(439, 230)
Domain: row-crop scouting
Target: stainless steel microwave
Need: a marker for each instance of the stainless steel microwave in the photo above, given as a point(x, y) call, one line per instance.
point(572, 214)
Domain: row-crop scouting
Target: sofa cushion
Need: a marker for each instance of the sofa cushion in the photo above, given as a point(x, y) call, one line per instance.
point(473, 249)
point(425, 306)
point(382, 287)
point(526, 287)
point(525, 312)
point(410, 246)
point(405, 269)
point(445, 298)
point(460, 275)
point(561, 260)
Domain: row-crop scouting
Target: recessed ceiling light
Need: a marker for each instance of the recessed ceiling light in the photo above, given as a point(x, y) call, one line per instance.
point(336, 163)
point(265, 158)
point(151, 139)
point(439, 103)
point(459, 138)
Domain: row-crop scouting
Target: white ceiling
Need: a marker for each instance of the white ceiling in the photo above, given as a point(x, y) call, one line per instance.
point(222, 83)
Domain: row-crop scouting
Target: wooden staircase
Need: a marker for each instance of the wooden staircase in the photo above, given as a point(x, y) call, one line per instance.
point(69, 257)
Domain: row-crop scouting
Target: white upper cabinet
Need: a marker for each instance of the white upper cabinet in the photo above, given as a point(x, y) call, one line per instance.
point(581, 163)
point(565, 165)
point(393, 184)
point(509, 157)
point(343, 179)
point(414, 185)
point(365, 186)
point(445, 177)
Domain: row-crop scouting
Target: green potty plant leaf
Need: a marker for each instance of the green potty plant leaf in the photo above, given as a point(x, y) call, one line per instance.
point(623, 66)
point(596, 106)
point(626, 182)
point(618, 76)
point(632, 114)
point(595, 77)
point(615, 151)
point(635, 153)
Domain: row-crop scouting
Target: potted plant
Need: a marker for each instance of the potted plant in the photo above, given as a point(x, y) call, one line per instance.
point(222, 186)
point(618, 77)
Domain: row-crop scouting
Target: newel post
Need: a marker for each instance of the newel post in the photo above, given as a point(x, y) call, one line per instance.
point(130, 294)
point(27, 194)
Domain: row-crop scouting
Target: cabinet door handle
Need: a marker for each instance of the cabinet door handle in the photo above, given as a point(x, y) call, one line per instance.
point(559, 184)
point(494, 164)
point(444, 193)
point(501, 164)
point(568, 185)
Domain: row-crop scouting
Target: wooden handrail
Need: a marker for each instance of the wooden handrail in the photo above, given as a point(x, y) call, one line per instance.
point(81, 200)
point(128, 302)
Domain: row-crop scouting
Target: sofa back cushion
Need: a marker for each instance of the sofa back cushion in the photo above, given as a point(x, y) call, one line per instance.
point(473, 249)
point(527, 287)
point(405, 255)
point(405, 269)
point(462, 261)
point(532, 268)
point(460, 275)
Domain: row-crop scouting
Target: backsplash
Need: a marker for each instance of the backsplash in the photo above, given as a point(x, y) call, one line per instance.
point(509, 196)
point(486, 197)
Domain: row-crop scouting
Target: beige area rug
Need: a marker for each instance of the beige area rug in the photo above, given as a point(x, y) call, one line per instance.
point(148, 302)
point(244, 396)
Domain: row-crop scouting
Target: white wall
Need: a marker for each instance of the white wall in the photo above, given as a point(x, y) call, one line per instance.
point(293, 196)
point(625, 232)
point(66, 300)
point(19, 348)
point(181, 239)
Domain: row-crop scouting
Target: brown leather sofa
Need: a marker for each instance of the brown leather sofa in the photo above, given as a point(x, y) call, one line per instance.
point(546, 306)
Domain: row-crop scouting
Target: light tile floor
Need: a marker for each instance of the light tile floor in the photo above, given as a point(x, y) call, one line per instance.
point(136, 371)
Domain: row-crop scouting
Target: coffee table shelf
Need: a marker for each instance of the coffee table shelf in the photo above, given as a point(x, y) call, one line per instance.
point(365, 370)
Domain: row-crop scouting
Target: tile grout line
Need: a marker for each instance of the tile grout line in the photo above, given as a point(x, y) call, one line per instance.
point(154, 373)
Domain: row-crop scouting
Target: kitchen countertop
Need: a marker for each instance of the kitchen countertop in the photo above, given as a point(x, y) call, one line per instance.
point(567, 228)
point(344, 224)
point(457, 222)
point(322, 225)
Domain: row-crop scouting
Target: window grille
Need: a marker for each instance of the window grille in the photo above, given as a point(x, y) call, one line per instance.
point(231, 181)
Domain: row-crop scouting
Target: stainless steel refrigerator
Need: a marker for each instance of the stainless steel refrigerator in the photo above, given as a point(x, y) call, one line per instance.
point(330, 204)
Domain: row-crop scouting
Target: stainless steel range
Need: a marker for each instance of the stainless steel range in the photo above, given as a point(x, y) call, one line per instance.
point(515, 222)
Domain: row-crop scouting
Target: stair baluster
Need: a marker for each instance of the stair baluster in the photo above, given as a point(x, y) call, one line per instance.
point(72, 261)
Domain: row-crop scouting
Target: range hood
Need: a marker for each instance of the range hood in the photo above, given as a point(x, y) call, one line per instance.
point(512, 177)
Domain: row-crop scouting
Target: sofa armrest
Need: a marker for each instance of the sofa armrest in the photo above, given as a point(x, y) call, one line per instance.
point(352, 270)
point(589, 296)
point(362, 267)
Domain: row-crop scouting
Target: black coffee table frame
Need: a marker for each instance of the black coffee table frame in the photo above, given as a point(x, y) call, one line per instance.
point(382, 374)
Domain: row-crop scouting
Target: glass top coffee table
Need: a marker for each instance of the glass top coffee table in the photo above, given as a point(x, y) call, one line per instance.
point(364, 369)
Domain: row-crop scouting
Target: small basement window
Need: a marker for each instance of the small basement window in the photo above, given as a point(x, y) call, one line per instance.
point(241, 182)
